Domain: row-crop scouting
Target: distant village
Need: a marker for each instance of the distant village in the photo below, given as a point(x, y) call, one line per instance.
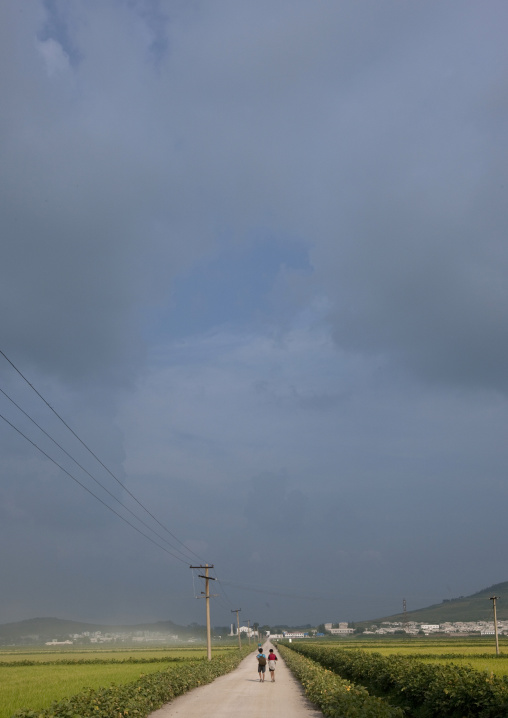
point(454, 628)
point(118, 637)
point(412, 628)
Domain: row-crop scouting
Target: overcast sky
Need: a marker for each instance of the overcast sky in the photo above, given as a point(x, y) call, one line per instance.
point(255, 255)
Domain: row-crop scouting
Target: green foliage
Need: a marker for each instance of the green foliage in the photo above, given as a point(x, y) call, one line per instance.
point(337, 698)
point(424, 690)
point(485, 663)
point(141, 697)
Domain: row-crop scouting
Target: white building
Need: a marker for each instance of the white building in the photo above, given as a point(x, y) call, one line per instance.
point(342, 630)
point(430, 627)
point(54, 642)
point(248, 631)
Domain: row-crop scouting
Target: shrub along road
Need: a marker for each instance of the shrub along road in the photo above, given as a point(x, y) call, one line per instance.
point(241, 694)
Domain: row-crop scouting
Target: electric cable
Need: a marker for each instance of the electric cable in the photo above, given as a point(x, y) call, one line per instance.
point(93, 477)
point(96, 457)
point(221, 588)
point(217, 595)
point(194, 584)
point(89, 491)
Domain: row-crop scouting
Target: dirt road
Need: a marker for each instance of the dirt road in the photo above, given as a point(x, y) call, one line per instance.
point(241, 694)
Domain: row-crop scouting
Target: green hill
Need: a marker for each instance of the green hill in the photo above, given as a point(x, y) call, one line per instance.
point(476, 607)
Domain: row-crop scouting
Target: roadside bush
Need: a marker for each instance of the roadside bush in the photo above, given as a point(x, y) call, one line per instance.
point(337, 698)
point(423, 690)
point(138, 699)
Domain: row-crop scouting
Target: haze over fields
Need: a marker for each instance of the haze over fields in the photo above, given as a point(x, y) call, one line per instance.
point(255, 254)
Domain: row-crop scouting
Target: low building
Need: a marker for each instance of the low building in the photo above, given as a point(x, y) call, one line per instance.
point(342, 630)
point(54, 642)
point(430, 627)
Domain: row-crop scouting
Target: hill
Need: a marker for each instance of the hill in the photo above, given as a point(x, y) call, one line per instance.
point(476, 607)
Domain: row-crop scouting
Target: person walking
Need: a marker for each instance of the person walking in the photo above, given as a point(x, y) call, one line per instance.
point(272, 662)
point(261, 665)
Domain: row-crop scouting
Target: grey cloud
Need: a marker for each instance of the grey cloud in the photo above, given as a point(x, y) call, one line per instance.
point(120, 210)
point(273, 506)
point(145, 139)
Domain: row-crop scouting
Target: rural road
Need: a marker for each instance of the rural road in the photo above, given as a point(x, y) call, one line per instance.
point(241, 694)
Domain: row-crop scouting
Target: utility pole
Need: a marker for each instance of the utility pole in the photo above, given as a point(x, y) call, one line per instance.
point(207, 597)
point(494, 599)
point(404, 614)
point(237, 611)
point(248, 629)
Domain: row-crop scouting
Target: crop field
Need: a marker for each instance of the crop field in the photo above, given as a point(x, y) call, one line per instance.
point(481, 654)
point(478, 653)
point(121, 655)
point(440, 680)
point(414, 646)
point(35, 679)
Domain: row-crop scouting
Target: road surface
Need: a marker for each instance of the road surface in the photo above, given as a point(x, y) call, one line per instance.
point(240, 693)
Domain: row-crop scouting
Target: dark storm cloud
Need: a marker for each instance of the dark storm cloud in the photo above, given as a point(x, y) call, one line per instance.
point(256, 240)
point(377, 140)
point(283, 507)
point(417, 261)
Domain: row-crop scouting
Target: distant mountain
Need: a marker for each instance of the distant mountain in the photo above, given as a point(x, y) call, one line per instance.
point(39, 630)
point(476, 607)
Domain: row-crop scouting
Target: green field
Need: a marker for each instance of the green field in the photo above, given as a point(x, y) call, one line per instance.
point(440, 680)
point(414, 646)
point(480, 653)
point(55, 656)
point(37, 686)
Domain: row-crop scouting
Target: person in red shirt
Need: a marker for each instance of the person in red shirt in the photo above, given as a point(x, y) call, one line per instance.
point(272, 658)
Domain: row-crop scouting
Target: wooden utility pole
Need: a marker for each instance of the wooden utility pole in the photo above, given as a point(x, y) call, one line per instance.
point(248, 630)
point(237, 611)
point(494, 599)
point(207, 597)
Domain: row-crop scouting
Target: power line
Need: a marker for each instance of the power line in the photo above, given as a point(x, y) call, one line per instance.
point(104, 488)
point(221, 588)
point(89, 491)
point(96, 457)
point(93, 477)
point(222, 601)
point(120, 483)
